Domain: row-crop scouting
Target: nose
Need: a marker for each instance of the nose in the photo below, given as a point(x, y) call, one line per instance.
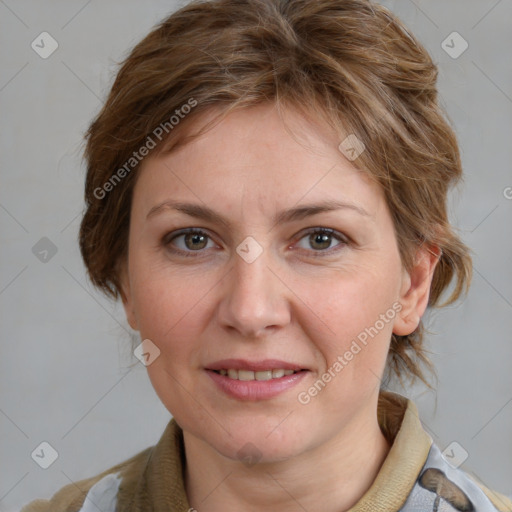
point(255, 300)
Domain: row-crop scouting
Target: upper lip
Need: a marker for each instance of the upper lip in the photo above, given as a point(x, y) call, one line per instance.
point(255, 366)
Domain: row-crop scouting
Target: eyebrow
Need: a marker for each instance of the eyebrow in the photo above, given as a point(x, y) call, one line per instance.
point(284, 216)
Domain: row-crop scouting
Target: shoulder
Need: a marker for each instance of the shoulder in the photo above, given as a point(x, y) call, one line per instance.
point(104, 486)
point(450, 488)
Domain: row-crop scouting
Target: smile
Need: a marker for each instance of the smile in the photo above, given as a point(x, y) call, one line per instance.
point(242, 379)
point(247, 375)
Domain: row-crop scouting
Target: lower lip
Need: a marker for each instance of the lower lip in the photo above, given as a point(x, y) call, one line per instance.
point(255, 389)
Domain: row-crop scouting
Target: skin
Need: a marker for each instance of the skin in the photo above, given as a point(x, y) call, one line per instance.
point(298, 301)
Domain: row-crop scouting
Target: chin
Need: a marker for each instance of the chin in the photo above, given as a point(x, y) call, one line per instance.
point(259, 438)
point(250, 453)
point(253, 445)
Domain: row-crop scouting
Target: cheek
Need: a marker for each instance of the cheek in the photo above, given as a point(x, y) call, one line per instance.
point(355, 302)
point(166, 303)
point(169, 314)
point(358, 309)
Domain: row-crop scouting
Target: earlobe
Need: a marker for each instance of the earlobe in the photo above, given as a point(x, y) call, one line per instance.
point(415, 290)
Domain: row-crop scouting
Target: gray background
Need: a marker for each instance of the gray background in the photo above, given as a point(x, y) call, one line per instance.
point(67, 375)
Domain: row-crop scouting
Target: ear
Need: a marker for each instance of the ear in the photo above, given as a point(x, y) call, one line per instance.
point(415, 289)
point(126, 295)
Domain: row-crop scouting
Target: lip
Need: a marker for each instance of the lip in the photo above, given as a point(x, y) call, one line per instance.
point(255, 390)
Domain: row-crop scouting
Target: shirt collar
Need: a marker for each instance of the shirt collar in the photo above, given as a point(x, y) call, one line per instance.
point(399, 421)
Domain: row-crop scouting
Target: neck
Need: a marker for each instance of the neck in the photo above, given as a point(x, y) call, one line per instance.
point(335, 474)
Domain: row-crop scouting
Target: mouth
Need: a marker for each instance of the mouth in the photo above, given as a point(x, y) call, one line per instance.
point(255, 380)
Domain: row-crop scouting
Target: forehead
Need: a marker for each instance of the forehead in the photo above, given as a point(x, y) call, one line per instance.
point(255, 157)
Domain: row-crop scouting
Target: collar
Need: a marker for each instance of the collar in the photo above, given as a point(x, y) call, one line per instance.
point(399, 421)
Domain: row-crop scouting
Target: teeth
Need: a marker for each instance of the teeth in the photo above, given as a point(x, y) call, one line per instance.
point(245, 375)
point(250, 375)
point(266, 375)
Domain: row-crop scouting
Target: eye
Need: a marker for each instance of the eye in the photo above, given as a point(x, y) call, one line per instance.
point(194, 240)
point(321, 238)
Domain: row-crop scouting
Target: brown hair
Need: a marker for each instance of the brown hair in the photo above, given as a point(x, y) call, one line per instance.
point(350, 61)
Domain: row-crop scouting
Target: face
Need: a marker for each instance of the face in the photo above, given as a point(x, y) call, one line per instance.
point(255, 290)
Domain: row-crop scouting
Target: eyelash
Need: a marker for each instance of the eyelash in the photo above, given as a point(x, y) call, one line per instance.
point(320, 253)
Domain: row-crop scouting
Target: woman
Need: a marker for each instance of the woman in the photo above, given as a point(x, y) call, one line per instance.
point(266, 193)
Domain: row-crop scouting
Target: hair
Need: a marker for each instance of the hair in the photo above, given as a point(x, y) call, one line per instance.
point(350, 62)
